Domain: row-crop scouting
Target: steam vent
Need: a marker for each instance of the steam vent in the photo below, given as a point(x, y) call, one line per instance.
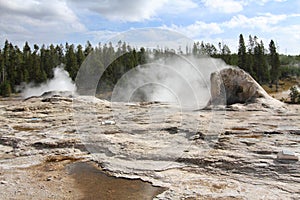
point(233, 85)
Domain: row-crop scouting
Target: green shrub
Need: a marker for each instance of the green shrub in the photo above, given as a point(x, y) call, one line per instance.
point(294, 95)
point(5, 89)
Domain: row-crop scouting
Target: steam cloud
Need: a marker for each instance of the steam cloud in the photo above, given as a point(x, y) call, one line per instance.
point(181, 80)
point(60, 82)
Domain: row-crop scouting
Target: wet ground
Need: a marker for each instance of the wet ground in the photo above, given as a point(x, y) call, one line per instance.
point(95, 184)
point(66, 177)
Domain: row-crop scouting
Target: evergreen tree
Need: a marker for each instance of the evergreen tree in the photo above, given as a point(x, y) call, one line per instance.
point(274, 62)
point(79, 55)
point(11, 67)
point(251, 44)
point(18, 62)
point(264, 64)
point(59, 49)
point(224, 53)
point(71, 62)
point(142, 56)
point(250, 58)
point(5, 89)
point(27, 62)
point(195, 49)
point(242, 55)
point(260, 64)
point(5, 61)
point(39, 75)
point(88, 48)
point(210, 49)
point(202, 48)
point(1, 67)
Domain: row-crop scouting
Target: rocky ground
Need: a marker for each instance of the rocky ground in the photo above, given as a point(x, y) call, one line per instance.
point(222, 153)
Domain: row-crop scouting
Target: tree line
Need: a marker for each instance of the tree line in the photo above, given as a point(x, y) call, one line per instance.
point(35, 65)
point(263, 65)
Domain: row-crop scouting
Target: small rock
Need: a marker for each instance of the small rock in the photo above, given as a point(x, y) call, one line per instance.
point(171, 130)
point(3, 182)
point(263, 165)
point(287, 155)
point(108, 122)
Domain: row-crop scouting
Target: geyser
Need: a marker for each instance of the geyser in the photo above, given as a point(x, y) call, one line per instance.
point(60, 82)
point(234, 85)
point(184, 80)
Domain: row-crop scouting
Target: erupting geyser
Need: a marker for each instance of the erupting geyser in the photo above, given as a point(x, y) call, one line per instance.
point(60, 82)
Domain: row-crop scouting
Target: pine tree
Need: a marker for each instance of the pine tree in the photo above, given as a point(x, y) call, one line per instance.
point(1, 67)
point(27, 62)
point(18, 62)
point(5, 89)
point(39, 75)
point(210, 49)
point(260, 64)
point(71, 62)
point(45, 61)
point(88, 48)
point(11, 67)
point(59, 52)
point(264, 65)
point(79, 55)
point(274, 62)
point(142, 56)
point(242, 55)
point(195, 49)
point(224, 53)
point(5, 61)
point(250, 57)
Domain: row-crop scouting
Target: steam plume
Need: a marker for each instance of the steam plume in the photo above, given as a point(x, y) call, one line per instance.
point(60, 82)
point(182, 80)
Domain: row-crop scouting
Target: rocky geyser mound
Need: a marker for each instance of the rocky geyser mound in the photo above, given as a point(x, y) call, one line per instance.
point(233, 85)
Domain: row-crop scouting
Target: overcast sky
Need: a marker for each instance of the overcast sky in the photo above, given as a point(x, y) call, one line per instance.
point(76, 21)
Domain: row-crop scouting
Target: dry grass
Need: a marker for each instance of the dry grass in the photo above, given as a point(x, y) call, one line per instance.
point(284, 85)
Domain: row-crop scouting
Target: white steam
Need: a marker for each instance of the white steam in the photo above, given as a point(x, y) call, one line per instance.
point(178, 79)
point(60, 82)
